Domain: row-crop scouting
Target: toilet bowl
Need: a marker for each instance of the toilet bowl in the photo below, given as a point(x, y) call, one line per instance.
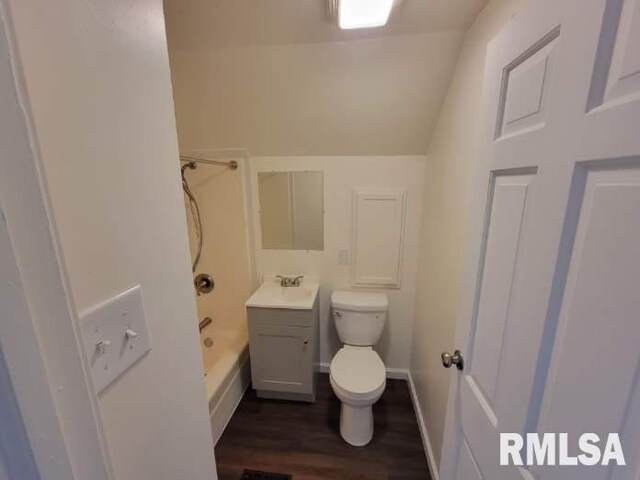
point(358, 379)
point(357, 374)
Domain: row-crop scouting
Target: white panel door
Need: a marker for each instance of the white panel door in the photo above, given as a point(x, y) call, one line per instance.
point(550, 319)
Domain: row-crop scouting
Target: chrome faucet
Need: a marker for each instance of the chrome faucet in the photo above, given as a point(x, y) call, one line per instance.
point(290, 281)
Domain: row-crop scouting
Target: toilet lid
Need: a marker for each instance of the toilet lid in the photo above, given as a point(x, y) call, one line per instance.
point(357, 369)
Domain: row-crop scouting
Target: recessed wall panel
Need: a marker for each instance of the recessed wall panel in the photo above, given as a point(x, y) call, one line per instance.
point(377, 238)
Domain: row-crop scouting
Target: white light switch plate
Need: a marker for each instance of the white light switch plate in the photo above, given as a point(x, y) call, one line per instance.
point(343, 257)
point(108, 323)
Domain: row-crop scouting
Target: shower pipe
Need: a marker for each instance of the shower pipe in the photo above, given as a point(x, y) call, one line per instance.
point(191, 163)
point(232, 164)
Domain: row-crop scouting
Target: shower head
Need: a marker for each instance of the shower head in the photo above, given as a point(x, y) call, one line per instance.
point(191, 165)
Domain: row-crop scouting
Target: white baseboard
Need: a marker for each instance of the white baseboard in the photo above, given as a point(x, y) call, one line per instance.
point(230, 399)
point(431, 459)
point(398, 373)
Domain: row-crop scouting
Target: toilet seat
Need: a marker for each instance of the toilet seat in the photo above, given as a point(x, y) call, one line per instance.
point(358, 372)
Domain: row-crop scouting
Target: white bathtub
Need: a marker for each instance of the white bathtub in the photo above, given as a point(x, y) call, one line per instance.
point(227, 371)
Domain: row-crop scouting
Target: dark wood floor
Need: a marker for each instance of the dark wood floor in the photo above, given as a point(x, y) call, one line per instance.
point(304, 440)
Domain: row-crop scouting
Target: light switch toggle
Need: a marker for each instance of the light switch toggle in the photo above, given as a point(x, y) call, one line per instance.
point(101, 346)
point(130, 334)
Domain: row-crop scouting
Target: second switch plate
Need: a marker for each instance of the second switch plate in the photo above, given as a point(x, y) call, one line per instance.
point(115, 336)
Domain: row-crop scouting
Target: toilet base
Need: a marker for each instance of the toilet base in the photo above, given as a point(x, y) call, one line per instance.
point(356, 424)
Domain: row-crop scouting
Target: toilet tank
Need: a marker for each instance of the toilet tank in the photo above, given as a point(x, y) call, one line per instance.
point(359, 316)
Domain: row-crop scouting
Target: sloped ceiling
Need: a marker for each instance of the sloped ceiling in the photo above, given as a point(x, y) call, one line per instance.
point(205, 23)
point(277, 77)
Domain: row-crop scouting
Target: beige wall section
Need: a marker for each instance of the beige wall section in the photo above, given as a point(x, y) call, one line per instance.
point(451, 164)
point(97, 76)
point(377, 96)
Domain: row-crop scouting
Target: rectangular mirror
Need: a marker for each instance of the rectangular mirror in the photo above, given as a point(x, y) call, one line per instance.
point(291, 210)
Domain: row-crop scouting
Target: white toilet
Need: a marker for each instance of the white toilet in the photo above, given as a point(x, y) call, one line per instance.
point(357, 373)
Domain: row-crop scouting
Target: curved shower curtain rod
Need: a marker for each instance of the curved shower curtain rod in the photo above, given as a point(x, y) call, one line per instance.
point(232, 164)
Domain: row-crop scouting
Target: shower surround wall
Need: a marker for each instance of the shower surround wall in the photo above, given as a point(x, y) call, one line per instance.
point(226, 255)
point(220, 193)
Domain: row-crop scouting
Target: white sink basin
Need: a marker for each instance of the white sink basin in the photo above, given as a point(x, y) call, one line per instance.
point(272, 295)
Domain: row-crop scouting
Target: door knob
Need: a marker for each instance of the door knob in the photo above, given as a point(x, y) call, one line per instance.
point(456, 359)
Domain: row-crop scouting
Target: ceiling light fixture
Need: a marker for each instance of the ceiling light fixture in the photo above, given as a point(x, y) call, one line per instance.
point(354, 14)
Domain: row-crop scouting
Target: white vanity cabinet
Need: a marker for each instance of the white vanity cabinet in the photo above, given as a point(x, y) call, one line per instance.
point(284, 349)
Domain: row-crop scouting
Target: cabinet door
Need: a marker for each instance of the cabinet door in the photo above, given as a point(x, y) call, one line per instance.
point(281, 358)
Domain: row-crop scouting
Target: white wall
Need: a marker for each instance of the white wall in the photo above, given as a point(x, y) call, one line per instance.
point(38, 331)
point(341, 176)
point(378, 96)
point(98, 81)
point(450, 168)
